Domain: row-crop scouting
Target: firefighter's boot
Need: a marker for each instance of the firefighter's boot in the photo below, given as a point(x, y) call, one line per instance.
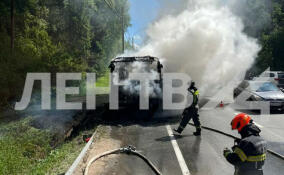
point(198, 131)
point(179, 130)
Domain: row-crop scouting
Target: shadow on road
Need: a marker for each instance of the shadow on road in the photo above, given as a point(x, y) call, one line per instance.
point(132, 117)
point(168, 138)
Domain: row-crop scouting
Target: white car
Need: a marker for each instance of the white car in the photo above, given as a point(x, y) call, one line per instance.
point(276, 77)
point(261, 91)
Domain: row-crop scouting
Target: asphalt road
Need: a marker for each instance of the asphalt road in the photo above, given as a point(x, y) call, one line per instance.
point(187, 154)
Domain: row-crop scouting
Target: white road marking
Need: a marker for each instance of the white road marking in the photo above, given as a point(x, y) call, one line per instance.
point(181, 161)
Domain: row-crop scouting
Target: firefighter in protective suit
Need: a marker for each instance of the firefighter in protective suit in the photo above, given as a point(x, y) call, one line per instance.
point(191, 112)
point(249, 153)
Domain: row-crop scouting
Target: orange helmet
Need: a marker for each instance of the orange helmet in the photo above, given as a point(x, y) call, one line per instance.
point(240, 121)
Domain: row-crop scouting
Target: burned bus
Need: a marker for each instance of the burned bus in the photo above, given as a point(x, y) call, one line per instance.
point(129, 89)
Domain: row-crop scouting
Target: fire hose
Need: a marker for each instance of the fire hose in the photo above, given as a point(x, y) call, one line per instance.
point(234, 137)
point(130, 150)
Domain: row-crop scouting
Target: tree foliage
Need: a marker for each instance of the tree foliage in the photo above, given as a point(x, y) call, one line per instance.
point(272, 40)
point(58, 36)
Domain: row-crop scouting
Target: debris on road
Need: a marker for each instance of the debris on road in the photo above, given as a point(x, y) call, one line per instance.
point(102, 142)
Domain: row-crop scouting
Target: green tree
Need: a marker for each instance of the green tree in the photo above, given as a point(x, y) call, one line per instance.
point(272, 39)
point(57, 36)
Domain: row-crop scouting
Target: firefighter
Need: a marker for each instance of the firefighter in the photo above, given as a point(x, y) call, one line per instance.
point(249, 153)
point(191, 112)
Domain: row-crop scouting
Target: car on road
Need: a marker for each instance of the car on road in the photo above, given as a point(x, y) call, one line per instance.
point(261, 91)
point(276, 77)
point(281, 80)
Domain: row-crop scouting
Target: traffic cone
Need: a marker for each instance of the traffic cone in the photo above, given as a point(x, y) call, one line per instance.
point(221, 104)
point(87, 139)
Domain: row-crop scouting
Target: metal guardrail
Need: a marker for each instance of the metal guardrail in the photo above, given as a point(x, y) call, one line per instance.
point(73, 167)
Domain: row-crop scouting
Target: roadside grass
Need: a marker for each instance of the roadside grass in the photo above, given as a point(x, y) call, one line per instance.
point(27, 150)
point(103, 81)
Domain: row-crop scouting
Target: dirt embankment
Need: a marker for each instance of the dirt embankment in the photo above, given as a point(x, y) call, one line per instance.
point(102, 142)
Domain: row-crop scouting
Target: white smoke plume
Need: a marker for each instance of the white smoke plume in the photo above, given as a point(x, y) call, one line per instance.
point(206, 41)
point(123, 70)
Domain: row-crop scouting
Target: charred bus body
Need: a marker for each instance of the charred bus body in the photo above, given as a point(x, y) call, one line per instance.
point(129, 89)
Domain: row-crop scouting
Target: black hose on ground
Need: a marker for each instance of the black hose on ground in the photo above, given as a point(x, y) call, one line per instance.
point(130, 150)
point(234, 137)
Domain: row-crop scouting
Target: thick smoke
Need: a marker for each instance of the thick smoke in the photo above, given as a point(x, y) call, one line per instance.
point(206, 41)
point(122, 72)
point(255, 14)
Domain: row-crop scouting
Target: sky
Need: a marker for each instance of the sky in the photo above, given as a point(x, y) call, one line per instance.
point(142, 13)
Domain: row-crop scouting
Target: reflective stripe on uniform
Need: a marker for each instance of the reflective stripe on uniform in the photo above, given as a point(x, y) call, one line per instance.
point(195, 97)
point(196, 92)
point(258, 158)
point(244, 157)
point(240, 153)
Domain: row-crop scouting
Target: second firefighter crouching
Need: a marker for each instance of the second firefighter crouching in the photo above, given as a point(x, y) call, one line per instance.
point(249, 153)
